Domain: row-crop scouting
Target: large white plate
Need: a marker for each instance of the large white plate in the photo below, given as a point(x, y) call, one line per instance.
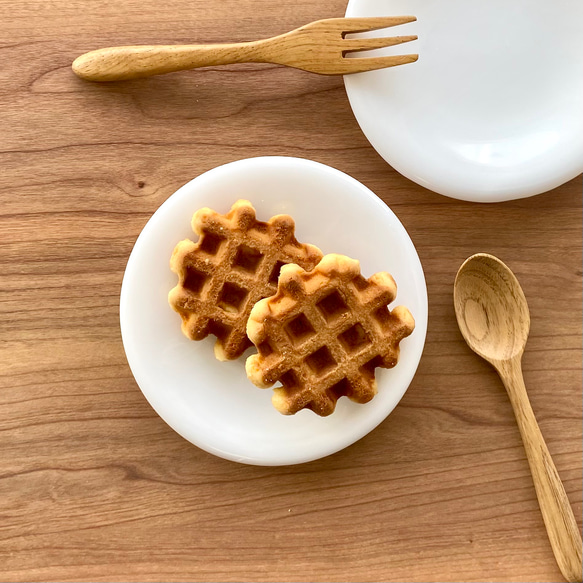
point(493, 108)
point(211, 403)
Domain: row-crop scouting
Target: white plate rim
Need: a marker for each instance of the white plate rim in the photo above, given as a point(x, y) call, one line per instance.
point(566, 168)
point(125, 300)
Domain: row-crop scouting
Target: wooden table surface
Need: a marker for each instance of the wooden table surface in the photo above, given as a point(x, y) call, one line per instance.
point(94, 486)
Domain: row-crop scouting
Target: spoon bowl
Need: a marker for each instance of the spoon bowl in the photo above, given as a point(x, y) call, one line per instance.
point(491, 308)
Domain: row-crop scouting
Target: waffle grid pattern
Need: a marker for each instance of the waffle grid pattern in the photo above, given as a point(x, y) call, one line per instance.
point(235, 263)
point(324, 334)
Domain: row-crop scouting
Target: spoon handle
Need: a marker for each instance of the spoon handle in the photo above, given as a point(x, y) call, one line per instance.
point(557, 513)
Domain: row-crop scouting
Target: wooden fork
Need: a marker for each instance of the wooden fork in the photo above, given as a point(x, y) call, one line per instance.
point(318, 47)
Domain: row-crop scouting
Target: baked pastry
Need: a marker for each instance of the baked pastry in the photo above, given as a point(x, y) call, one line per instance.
point(235, 263)
point(323, 334)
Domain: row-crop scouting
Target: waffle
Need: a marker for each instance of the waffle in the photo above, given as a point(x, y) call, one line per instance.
point(235, 263)
point(323, 334)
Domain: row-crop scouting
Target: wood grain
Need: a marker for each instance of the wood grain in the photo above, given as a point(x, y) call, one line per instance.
point(93, 484)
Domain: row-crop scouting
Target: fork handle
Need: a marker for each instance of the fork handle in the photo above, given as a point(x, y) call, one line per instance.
point(122, 63)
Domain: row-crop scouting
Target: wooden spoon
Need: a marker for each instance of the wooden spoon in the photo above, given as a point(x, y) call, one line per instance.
point(493, 317)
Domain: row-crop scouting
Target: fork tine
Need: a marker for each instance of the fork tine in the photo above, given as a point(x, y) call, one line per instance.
point(353, 25)
point(362, 64)
point(366, 44)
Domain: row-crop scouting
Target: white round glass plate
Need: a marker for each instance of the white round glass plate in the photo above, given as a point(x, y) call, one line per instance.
point(213, 404)
point(493, 108)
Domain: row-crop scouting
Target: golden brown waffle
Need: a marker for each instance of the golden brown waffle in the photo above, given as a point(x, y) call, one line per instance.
point(324, 333)
point(235, 263)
